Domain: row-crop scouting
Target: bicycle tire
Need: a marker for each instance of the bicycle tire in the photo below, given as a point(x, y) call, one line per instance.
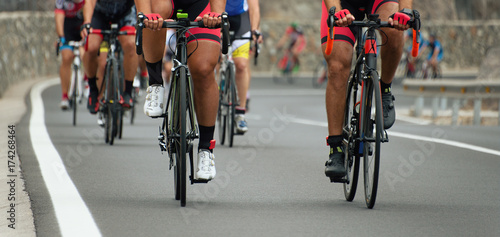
point(373, 130)
point(222, 113)
point(231, 97)
point(132, 108)
point(182, 140)
point(350, 130)
point(177, 173)
point(318, 71)
point(73, 96)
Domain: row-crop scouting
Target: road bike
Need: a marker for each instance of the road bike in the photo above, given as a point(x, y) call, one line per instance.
point(228, 93)
point(363, 130)
point(110, 106)
point(285, 68)
point(179, 127)
point(75, 92)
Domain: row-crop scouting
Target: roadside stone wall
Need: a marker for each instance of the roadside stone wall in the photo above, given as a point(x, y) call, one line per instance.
point(26, 46)
point(465, 43)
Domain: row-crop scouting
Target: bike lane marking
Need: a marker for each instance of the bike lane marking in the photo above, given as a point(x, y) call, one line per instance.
point(72, 213)
point(410, 136)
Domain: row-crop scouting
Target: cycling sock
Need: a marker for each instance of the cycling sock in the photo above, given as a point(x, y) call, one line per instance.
point(93, 84)
point(385, 88)
point(128, 87)
point(154, 70)
point(335, 142)
point(239, 110)
point(65, 96)
point(206, 137)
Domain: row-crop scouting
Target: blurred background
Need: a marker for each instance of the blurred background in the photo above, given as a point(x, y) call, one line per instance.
point(467, 29)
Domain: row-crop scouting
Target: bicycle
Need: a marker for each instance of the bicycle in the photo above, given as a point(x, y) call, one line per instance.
point(228, 94)
point(320, 74)
point(179, 128)
point(112, 84)
point(363, 117)
point(285, 67)
point(75, 92)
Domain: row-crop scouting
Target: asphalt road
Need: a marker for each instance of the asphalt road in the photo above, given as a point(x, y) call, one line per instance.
point(271, 183)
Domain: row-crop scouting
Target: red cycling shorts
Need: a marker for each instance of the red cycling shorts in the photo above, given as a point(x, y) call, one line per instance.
point(195, 8)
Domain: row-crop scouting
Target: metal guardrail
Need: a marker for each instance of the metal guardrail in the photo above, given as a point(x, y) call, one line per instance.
point(458, 90)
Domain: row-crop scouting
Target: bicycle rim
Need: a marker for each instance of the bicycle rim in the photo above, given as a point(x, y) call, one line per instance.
point(350, 133)
point(231, 88)
point(372, 131)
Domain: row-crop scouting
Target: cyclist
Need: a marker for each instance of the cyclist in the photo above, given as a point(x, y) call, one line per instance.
point(297, 43)
point(435, 53)
point(244, 20)
point(98, 14)
point(68, 17)
point(339, 61)
point(204, 48)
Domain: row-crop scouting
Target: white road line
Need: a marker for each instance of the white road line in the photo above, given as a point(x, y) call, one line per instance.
point(72, 214)
point(410, 136)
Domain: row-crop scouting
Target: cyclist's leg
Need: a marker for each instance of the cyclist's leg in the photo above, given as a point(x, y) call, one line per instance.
point(390, 54)
point(153, 46)
point(91, 63)
point(130, 59)
point(65, 73)
point(391, 51)
point(338, 63)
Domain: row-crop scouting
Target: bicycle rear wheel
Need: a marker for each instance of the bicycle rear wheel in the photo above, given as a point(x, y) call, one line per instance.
point(373, 130)
point(350, 133)
point(319, 71)
point(222, 113)
point(73, 97)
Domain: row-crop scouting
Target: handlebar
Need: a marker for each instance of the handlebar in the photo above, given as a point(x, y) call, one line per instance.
point(256, 44)
point(71, 43)
point(373, 21)
point(109, 32)
point(182, 24)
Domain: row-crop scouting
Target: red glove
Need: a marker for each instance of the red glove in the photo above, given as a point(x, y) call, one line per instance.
point(402, 17)
point(213, 14)
point(341, 14)
point(153, 16)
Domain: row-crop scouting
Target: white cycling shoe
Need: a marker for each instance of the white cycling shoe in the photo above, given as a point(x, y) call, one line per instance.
point(206, 165)
point(153, 106)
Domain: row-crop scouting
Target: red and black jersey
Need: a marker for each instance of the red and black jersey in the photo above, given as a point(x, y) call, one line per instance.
point(70, 8)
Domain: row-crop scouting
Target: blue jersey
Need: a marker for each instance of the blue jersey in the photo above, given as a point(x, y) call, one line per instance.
point(236, 7)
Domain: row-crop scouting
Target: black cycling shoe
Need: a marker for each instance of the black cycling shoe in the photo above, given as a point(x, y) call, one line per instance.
point(335, 165)
point(93, 104)
point(127, 100)
point(388, 108)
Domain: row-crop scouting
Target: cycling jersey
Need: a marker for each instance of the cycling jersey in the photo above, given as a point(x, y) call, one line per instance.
point(236, 7)
point(432, 46)
point(70, 8)
point(294, 35)
point(114, 8)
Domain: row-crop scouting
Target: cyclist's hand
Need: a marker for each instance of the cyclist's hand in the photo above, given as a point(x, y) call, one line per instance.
point(153, 21)
point(343, 18)
point(257, 36)
point(211, 19)
point(84, 30)
point(401, 19)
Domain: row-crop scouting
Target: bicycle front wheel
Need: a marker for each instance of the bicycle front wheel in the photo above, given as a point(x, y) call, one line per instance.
point(222, 113)
point(231, 98)
point(373, 130)
point(350, 133)
point(182, 132)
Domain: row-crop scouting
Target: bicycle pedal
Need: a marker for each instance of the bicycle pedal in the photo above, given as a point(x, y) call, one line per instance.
point(385, 138)
point(196, 181)
point(338, 180)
